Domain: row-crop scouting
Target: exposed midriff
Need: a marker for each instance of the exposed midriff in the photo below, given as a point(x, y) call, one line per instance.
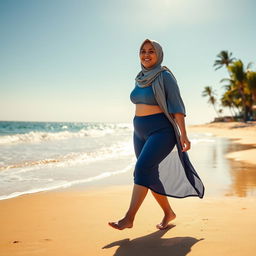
point(145, 109)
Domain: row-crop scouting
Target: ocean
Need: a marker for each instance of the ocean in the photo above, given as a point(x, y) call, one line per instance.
point(40, 156)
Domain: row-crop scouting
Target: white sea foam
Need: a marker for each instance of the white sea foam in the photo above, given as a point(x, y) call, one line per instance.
point(98, 130)
point(122, 148)
point(65, 184)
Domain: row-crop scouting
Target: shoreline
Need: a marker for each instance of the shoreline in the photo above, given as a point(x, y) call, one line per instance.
point(238, 132)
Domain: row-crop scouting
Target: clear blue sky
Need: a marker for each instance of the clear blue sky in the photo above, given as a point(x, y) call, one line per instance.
point(76, 60)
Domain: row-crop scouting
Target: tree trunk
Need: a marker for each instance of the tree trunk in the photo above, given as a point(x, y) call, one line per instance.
point(216, 110)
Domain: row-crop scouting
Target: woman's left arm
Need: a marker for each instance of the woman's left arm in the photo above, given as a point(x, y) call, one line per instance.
point(176, 107)
point(180, 120)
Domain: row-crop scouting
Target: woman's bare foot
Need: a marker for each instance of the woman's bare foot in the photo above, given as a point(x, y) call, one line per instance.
point(122, 224)
point(167, 218)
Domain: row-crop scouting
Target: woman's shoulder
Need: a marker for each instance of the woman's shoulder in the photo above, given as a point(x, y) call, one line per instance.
point(168, 76)
point(166, 72)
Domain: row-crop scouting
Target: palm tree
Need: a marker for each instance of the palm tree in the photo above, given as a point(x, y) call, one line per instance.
point(240, 92)
point(238, 75)
point(209, 92)
point(251, 81)
point(224, 58)
point(231, 98)
point(251, 84)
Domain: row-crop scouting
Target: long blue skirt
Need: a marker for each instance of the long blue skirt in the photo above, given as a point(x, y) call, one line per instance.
point(159, 165)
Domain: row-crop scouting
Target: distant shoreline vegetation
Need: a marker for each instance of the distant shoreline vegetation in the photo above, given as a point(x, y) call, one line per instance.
point(240, 90)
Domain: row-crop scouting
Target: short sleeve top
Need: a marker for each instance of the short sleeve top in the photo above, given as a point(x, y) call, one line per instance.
point(173, 98)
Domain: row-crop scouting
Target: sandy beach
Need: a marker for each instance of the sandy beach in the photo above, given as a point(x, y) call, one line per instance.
point(242, 133)
point(75, 222)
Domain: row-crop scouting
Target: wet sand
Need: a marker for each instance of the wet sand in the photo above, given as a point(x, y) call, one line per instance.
point(240, 154)
point(242, 133)
point(75, 222)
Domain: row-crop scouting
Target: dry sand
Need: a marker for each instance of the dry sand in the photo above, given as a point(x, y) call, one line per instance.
point(75, 222)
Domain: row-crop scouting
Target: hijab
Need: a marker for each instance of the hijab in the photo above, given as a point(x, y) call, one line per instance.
point(147, 76)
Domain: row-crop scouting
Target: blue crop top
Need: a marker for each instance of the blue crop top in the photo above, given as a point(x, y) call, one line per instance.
point(173, 98)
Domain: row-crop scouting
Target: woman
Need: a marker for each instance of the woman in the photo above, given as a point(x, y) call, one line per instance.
point(160, 139)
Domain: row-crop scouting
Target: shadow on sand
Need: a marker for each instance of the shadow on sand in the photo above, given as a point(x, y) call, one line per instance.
point(153, 244)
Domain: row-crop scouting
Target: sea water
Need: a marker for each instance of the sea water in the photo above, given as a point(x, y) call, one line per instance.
point(40, 156)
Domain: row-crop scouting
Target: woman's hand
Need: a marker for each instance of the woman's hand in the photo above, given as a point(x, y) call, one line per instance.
point(185, 143)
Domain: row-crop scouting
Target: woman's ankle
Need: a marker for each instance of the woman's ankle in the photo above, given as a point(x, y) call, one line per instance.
point(169, 212)
point(130, 216)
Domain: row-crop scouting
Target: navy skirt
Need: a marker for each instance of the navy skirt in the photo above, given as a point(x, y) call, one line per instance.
point(159, 166)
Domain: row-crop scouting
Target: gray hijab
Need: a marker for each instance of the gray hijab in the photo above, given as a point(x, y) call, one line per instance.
point(147, 76)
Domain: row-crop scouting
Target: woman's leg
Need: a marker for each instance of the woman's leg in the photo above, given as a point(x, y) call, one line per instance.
point(138, 195)
point(168, 212)
point(157, 146)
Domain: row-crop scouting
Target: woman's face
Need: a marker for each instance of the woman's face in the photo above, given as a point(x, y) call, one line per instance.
point(148, 55)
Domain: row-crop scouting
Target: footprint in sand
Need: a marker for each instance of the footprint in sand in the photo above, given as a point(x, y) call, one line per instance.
point(16, 241)
point(47, 239)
